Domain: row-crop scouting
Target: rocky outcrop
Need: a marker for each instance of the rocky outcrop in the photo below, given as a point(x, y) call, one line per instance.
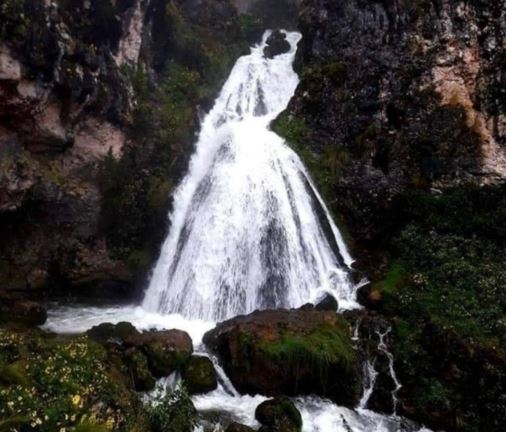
point(289, 352)
point(162, 352)
point(398, 95)
point(85, 93)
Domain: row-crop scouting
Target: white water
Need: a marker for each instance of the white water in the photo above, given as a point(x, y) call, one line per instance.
point(383, 347)
point(249, 231)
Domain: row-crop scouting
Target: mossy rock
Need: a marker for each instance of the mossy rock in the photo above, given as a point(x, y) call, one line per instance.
point(173, 412)
point(108, 332)
point(289, 352)
point(279, 415)
point(166, 351)
point(199, 375)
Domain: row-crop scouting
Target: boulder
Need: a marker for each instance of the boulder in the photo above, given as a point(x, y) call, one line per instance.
point(327, 303)
point(199, 375)
point(238, 427)
point(276, 44)
point(279, 415)
point(112, 333)
point(166, 350)
point(289, 352)
point(25, 313)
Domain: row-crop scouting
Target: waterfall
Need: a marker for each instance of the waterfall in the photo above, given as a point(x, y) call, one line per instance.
point(248, 229)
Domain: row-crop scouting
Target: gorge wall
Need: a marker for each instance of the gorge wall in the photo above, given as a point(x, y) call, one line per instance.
point(98, 108)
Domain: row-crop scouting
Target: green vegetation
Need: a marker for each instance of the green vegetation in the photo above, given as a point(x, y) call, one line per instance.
point(192, 56)
point(49, 384)
point(328, 344)
point(445, 291)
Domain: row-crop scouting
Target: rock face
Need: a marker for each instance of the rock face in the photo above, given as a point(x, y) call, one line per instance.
point(396, 95)
point(84, 136)
point(289, 352)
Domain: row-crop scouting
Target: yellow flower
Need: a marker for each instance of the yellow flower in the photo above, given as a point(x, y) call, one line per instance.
point(76, 399)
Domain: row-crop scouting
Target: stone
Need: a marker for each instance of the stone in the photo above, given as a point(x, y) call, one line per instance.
point(115, 333)
point(276, 44)
point(199, 375)
point(24, 312)
point(137, 364)
point(166, 351)
point(279, 415)
point(289, 352)
point(238, 427)
point(327, 303)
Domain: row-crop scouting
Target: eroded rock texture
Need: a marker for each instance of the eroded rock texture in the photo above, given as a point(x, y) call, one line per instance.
point(397, 95)
point(98, 107)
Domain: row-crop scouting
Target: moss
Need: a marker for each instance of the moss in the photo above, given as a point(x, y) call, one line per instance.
point(199, 375)
point(444, 292)
point(323, 346)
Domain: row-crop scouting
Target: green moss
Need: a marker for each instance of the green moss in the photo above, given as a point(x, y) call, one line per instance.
point(323, 346)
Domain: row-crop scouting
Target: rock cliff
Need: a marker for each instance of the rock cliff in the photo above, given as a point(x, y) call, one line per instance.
point(96, 123)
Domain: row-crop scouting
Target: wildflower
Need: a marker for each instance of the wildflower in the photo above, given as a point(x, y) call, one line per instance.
point(76, 399)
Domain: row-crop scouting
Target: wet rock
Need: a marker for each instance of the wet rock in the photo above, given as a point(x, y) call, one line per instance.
point(199, 375)
point(276, 44)
point(113, 333)
point(26, 313)
point(237, 427)
point(370, 296)
point(328, 303)
point(166, 350)
point(278, 415)
point(289, 352)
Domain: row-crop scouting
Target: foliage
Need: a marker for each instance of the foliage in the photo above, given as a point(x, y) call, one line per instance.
point(192, 54)
point(446, 293)
point(60, 385)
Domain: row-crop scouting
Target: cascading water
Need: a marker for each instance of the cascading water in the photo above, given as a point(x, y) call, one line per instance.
point(249, 230)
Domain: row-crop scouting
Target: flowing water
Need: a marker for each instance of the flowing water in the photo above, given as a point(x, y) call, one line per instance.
point(249, 231)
